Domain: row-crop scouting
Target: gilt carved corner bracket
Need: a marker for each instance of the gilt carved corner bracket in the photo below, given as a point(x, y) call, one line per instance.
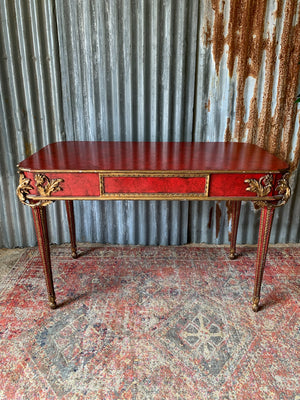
point(44, 185)
point(263, 187)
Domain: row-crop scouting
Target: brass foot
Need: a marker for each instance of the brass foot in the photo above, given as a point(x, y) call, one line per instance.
point(233, 255)
point(74, 254)
point(52, 303)
point(255, 303)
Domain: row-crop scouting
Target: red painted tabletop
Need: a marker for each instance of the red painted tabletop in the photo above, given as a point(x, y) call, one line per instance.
point(152, 156)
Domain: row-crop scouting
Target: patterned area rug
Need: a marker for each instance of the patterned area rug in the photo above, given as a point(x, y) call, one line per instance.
point(151, 323)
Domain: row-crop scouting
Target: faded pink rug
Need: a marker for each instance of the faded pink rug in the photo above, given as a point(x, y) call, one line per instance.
point(151, 323)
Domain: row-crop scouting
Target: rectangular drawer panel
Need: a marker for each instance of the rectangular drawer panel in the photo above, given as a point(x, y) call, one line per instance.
point(156, 185)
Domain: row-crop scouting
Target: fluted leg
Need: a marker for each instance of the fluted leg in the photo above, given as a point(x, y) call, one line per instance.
point(266, 219)
point(40, 222)
point(235, 209)
point(71, 222)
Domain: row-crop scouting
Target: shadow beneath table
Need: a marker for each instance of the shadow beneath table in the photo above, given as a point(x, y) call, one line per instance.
point(84, 252)
point(72, 300)
point(275, 298)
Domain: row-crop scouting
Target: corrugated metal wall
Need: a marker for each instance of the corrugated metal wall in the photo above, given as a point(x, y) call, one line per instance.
point(178, 70)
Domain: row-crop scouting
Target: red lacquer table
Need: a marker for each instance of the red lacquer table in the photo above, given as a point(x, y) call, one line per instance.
point(76, 170)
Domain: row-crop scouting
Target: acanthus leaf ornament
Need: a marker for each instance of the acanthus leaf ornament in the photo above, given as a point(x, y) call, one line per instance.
point(284, 189)
point(24, 188)
point(44, 185)
point(263, 187)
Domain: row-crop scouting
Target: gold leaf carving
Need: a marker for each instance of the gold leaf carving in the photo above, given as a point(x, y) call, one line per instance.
point(24, 188)
point(284, 189)
point(44, 185)
point(263, 187)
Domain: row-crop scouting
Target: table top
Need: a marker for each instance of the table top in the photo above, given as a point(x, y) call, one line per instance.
point(78, 156)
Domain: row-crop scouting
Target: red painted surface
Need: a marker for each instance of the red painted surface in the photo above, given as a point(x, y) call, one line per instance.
point(154, 185)
point(74, 184)
point(231, 185)
point(156, 156)
point(79, 184)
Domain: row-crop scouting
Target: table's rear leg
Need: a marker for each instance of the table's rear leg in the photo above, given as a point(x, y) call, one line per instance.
point(235, 210)
point(40, 222)
point(71, 222)
point(266, 219)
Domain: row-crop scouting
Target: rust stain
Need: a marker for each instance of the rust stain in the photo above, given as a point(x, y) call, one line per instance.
point(256, 36)
point(245, 34)
point(246, 44)
point(233, 37)
point(247, 50)
point(252, 123)
point(264, 122)
point(218, 219)
point(249, 57)
point(287, 38)
point(207, 105)
point(290, 108)
point(228, 136)
point(207, 34)
point(218, 39)
point(278, 12)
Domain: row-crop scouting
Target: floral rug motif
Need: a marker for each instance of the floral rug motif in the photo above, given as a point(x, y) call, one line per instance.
point(149, 323)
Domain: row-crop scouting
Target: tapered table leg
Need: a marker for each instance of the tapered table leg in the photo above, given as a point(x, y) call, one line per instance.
point(41, 229)
point(235, 209)
point(71, 222)
point(266, 219)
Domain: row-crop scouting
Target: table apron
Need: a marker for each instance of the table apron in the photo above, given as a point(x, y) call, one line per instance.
point(159, 185)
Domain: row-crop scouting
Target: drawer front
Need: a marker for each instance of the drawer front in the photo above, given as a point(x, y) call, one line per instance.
point(226, 185)
point(179, 185)
point(74, 184)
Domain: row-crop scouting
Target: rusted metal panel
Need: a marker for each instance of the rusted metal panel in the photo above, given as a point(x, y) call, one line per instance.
point(254, 47)
point(189, 70)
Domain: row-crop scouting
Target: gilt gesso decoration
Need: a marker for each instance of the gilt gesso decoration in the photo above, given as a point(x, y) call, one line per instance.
point(44, 185)
point(284, 189)
point(263, 187)
point(24, 188)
